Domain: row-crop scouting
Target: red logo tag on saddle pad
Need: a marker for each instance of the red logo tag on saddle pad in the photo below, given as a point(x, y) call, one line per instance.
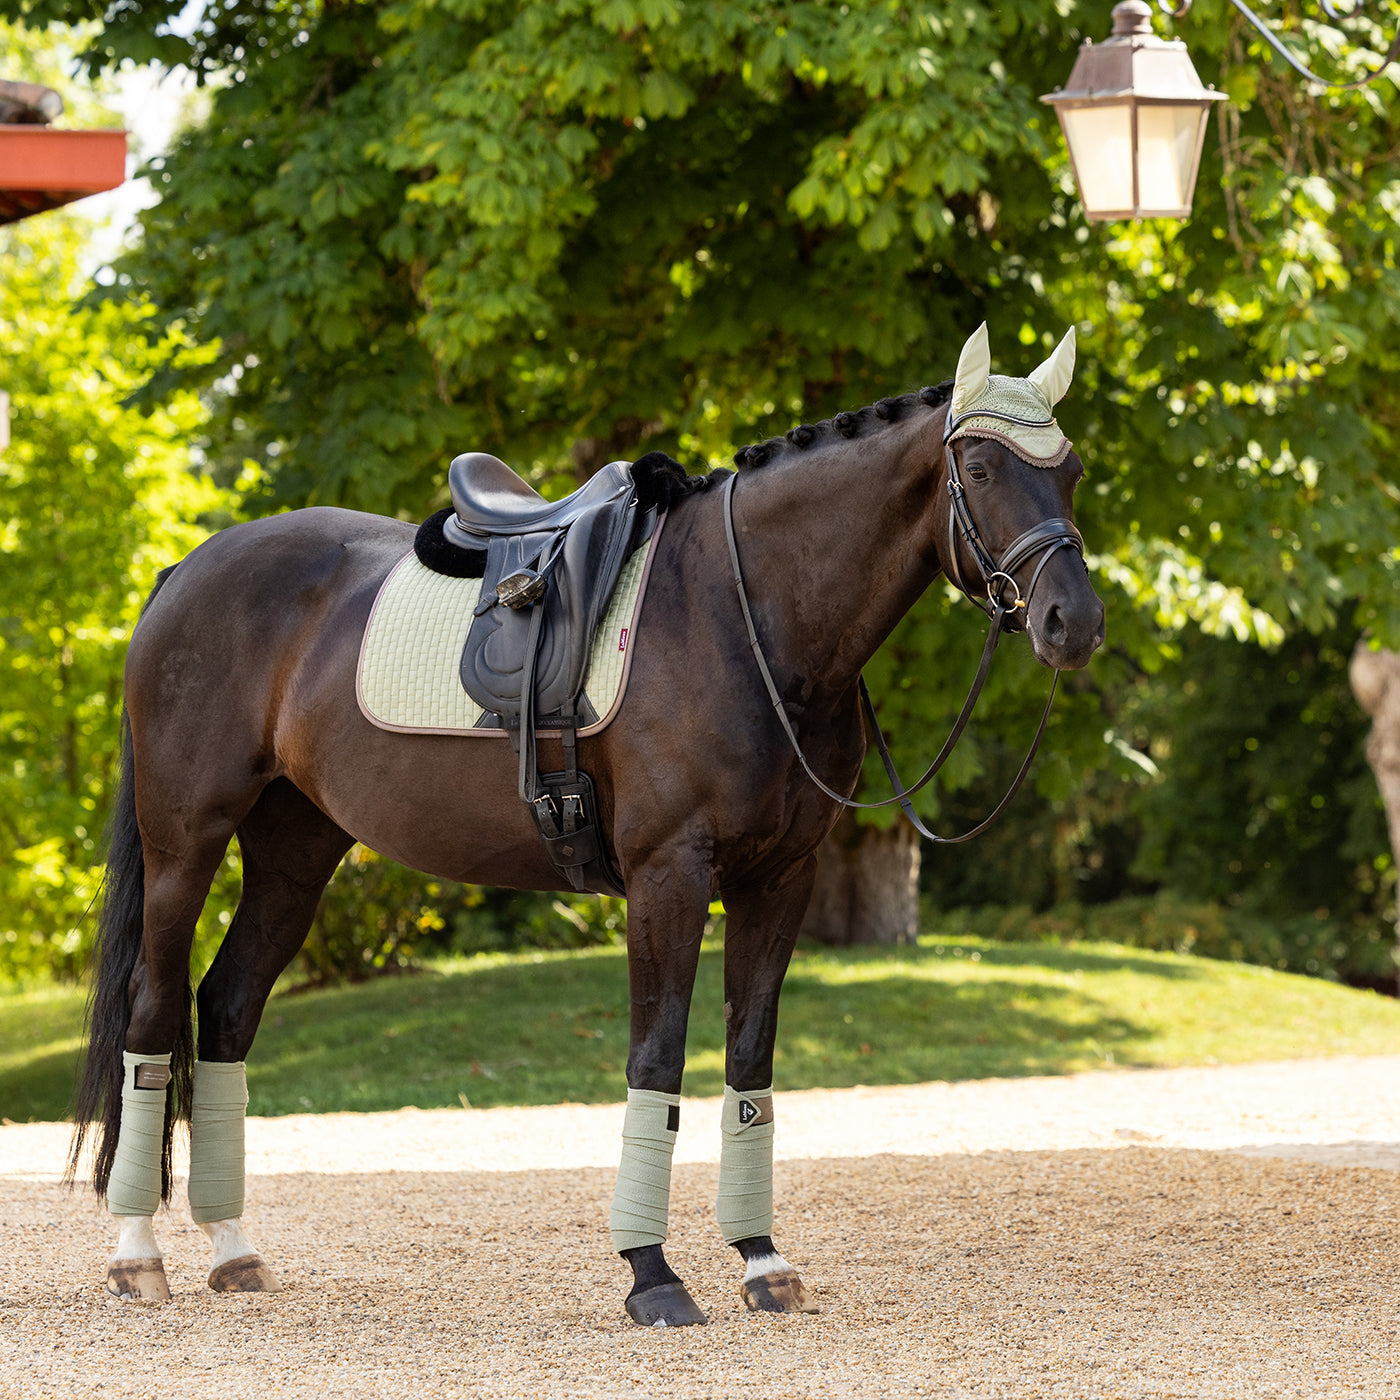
point(622, 641)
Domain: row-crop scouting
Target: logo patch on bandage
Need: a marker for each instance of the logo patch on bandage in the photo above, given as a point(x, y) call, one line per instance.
point(673, 1118)
point(755, 1110)
point(150, 1076)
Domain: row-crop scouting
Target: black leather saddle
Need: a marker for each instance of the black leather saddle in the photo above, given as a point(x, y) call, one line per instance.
point(550, 569)
point(547, 570)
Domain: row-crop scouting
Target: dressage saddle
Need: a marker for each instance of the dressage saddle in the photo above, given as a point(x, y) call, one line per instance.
point(548, 571)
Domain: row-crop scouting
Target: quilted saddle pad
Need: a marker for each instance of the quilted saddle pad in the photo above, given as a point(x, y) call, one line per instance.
point(408, 676)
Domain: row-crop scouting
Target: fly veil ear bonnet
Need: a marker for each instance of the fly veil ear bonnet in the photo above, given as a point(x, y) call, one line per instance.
point(1014, 412)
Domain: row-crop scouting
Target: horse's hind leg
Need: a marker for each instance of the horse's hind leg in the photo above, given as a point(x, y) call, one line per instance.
point(760, 932)
point(290, 850)
point(181, 856)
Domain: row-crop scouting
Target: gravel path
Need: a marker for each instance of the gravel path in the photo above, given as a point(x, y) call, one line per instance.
point(1203, 1232)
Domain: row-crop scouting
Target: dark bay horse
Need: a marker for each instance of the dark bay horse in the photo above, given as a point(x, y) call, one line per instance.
point(242, 721)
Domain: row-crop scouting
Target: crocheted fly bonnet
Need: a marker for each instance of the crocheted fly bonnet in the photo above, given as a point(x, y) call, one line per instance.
point(1015, 412)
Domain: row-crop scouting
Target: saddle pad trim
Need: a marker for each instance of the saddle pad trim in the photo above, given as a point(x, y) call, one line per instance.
point(471, 712)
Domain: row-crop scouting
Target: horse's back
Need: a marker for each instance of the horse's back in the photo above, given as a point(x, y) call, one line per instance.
point(229, 628)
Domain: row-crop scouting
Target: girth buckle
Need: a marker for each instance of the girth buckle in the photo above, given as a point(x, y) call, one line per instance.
point(546, 816)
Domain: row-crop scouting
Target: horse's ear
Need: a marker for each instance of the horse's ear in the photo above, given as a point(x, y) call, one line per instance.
point(974, 365)
point(1053, 377)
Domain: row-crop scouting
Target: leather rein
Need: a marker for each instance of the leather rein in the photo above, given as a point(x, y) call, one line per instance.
point(1043, 539)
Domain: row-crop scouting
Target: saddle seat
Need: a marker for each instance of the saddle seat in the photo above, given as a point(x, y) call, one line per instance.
point(488, 498)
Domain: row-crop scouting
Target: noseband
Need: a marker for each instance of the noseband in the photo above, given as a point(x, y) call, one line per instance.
point(997, 576)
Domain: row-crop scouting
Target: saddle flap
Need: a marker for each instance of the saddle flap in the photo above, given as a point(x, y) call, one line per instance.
point(582, 562)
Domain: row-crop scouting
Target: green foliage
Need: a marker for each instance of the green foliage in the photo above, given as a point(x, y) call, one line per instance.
point(1242, 778)
point(571, 230)
point(575, 231)
point(97, 497)
point(377, 916)
point(1313, 944)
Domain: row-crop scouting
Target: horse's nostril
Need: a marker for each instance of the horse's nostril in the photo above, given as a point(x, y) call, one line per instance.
point(1055, 631)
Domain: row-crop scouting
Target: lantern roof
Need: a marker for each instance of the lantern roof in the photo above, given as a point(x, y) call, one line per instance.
point(1133, 63)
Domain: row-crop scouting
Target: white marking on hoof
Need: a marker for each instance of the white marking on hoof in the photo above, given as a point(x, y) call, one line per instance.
point(137, 1239)
point(761, 1265)
point(238, 1267)
point(228, 1239)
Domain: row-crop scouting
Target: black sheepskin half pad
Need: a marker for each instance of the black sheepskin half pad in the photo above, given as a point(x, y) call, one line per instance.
point(661, 479)
point(660, 482)
point(442, 557)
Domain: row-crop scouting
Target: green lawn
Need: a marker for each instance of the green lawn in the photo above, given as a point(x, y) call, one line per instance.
point(545, 1027)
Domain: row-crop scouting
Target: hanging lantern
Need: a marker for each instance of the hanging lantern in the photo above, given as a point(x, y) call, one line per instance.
point(1134, 118)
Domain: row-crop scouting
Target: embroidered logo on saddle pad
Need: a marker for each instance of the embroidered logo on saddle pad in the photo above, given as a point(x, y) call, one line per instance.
point(409, 677)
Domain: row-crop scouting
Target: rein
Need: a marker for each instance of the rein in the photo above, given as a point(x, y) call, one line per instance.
point(1045, 539)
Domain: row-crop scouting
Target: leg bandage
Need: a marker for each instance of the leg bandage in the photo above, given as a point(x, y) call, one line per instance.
point(134, 1185)
point(642, 1199)
point(744, 1202)
point(220, 1103)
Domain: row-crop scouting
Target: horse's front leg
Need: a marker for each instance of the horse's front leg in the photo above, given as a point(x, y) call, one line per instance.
point(666, 906)
point(760, 933)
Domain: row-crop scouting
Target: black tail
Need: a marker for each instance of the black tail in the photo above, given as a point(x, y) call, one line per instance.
point(113, 959)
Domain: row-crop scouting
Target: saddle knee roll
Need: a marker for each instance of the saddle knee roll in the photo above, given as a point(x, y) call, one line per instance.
point(218, 1110)
point(641, 1201)
point(133, 1187)
point(744, 1201)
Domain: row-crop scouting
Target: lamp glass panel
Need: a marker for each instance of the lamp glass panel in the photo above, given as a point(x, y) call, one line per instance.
point(1167, 140)
point(1101, 141)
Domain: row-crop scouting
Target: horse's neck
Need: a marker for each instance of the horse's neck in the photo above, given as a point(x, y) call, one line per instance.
point(836, 543)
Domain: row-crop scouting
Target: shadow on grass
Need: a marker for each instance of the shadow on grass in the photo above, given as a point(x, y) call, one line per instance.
point(41, 1088)
point(551, 1028)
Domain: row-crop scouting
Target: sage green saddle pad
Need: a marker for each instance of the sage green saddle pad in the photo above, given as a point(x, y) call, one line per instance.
point(408, 677)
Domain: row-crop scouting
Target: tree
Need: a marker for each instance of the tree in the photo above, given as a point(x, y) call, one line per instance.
point(1375, 677)
point(570, 230)
point(97, 498)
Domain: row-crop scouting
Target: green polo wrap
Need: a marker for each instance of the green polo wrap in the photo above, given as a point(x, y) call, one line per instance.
point(133, 1188)
point(641, 1201)
point(219, 1105)
point(744, 1201)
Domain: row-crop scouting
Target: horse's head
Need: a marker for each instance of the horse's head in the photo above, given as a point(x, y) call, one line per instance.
point(1009, 476)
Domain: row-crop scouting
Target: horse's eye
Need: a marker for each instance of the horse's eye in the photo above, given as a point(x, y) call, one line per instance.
point(977, 473)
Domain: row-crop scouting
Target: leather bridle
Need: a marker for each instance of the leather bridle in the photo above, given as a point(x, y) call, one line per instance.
point(1045, 539)
point(1048, 536)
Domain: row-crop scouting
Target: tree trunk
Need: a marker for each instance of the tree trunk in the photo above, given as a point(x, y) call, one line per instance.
point(867, 888)
point(1375, 681)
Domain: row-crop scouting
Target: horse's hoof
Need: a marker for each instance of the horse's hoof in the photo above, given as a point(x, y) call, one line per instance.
point(778, 1292)
point(247, 1274)
point(666, 1305)
point(138, 1280)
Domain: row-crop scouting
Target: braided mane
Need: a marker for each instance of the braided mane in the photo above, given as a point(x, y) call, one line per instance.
point(852, 424)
